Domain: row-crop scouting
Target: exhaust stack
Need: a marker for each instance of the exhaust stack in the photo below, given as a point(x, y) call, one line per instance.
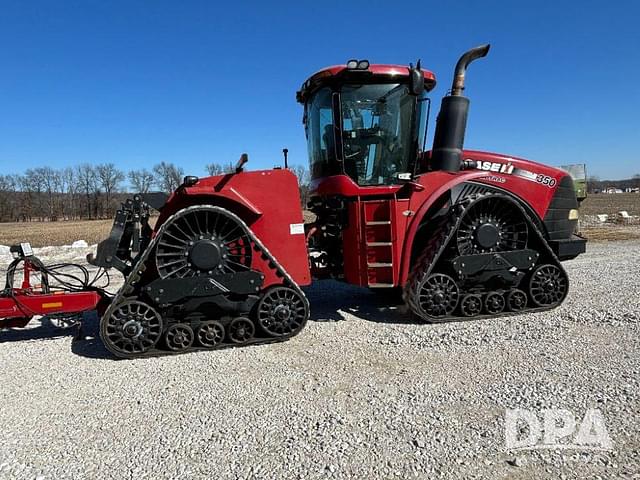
point(448, 141)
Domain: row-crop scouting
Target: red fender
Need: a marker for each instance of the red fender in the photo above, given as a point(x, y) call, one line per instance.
point(268, 201)
point(435, 184)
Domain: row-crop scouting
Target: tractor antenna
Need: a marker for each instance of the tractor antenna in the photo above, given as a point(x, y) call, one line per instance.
point(285, 152)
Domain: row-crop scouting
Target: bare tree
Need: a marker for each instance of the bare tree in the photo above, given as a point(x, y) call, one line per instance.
point(302, 173)
point(167, 176)
point(69, 188)
point(26, 206)
point(141, 180)
point(109, 177)
point(87, 182)
point(214, 169)
point(48, 177)
point(8, 197)
point(32, 184)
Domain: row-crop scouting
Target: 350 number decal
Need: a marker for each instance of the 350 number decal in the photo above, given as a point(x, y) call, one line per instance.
point(546, 180)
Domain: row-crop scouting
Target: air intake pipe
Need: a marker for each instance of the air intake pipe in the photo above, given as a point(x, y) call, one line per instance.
point(448, 141)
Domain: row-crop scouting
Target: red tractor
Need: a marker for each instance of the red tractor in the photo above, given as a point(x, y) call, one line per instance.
point(462, 234)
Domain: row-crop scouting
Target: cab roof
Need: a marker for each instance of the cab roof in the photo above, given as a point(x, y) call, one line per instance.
point(374, 73)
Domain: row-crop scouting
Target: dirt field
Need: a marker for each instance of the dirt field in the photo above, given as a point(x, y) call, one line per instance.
point(611, 233)
point(41, 234)
point(611, 204)
point(45, 234)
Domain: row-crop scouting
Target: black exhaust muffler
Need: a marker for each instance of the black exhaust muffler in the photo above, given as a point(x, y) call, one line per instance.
point(451, 124)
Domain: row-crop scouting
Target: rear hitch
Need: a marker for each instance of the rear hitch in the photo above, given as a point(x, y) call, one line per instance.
point(130, 235)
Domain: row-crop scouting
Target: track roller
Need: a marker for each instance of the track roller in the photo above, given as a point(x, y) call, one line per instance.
point(471, 305)
point(179, 337)
point(241, 330)
point(494, 303)
point(516, 300)
point(210, 334)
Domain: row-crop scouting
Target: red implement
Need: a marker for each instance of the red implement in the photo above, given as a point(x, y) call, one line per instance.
point(17, 310)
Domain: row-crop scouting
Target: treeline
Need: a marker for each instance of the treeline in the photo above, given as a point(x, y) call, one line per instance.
point(594, 184)
point(92, 191)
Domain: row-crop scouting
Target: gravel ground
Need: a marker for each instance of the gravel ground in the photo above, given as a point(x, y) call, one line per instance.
point(363, 392)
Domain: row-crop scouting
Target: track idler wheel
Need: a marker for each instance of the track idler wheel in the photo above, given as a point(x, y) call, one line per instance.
point(210, 334)
point(241, 330)
point(516, 300)
point(133, 328)
point(438, 295)
point(471, 305)
point(494, 303)
point(548, 286)
point(179, 337)
point(282, 311)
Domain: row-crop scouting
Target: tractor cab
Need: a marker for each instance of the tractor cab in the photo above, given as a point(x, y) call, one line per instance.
point(365, 121)
point(364, 126)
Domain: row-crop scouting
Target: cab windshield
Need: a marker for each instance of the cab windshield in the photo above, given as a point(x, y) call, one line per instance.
point(364, 131)
point(376, 132)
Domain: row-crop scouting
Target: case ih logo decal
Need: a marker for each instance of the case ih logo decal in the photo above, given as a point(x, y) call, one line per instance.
point(495, 167)
point(510, 169)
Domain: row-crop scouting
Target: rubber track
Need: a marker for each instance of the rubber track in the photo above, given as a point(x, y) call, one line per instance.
point(438, 243)
point(130, 285)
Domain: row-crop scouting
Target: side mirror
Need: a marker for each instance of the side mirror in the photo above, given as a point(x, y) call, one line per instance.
point(189, 181)
point(416, 80)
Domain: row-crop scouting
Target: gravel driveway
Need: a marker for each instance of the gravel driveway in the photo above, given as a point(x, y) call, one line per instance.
point(363, 392)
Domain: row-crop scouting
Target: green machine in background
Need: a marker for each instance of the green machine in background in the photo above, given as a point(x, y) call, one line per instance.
point(578, 172)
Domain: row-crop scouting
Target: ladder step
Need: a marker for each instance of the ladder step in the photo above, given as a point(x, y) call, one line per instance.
point(379, 244)
point(383, 222)
point(381, 285)
point(379, 265)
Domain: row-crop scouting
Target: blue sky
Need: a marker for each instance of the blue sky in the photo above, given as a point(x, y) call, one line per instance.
point(136, 83)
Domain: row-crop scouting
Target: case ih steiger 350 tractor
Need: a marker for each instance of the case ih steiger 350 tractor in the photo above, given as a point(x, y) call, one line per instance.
point(463, 234)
